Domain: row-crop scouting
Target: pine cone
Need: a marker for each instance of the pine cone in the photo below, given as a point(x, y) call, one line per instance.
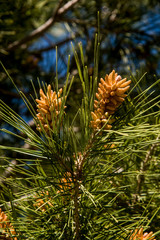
point(49, 107)
point(44, 202)
point(138, 235)
point(111, 93)
point(66, 183)
point(6, 227)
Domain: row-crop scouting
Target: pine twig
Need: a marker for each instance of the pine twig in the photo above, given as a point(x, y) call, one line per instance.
point(78, 175)
point(44, 27)
point(85, 155)
point(52, 46)
point(76, 208)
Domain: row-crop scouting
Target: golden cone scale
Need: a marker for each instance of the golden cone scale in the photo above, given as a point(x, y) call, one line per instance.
point(66, 183)
point(110, 95)
point(6, 227)
point(48, 108)
point(139, 235)
point(44, 202)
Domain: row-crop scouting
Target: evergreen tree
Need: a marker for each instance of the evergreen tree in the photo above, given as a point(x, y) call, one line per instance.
point(91, 176)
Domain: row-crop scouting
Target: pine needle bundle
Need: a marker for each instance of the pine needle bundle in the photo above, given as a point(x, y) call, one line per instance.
point(91, 176)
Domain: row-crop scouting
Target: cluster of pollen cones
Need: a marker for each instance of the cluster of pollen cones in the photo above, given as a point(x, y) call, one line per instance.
point(66, 183)
point(139, 235)
point(6, 229)
point(111, 94)
point(48, 108)
point(44, 202)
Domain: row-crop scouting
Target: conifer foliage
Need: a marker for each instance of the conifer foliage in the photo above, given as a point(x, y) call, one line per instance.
point(87, 177)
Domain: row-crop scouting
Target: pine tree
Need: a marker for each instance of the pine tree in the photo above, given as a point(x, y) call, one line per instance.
point(88, 177)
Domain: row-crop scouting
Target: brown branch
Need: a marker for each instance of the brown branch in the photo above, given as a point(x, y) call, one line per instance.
point(67, 6)
point(82, 159)
point(44, 27)
point(78, 21)
point(9, 93)
point(77, 177)
point(76, 208)
point(54, 45)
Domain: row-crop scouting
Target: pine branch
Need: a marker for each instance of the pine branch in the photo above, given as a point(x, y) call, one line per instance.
point(78, 21)
point(84, 157)
point(44, 27)
point(52, 46)
point(76, 212)
point(9, 94)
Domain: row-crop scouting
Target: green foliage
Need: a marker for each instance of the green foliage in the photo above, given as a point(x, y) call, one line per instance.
point(77, 183)
point(124, 43)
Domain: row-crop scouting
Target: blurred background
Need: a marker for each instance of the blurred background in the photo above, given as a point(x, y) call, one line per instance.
point(31, 29)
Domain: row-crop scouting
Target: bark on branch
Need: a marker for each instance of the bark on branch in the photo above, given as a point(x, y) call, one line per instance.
point(54, 45)
point(43, 28)
point(76, 210)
